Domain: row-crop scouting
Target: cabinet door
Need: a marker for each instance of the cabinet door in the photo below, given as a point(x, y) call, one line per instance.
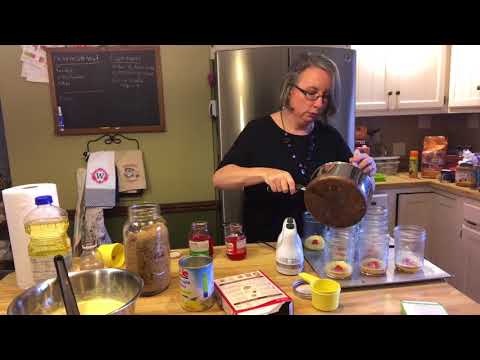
point(418, 74)
point(464, 76)
point(371, 78)
point(415, 209)
point(444, 240)
point(472, 280)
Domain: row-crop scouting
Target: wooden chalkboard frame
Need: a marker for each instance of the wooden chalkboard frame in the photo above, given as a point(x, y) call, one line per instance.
point(107, 130)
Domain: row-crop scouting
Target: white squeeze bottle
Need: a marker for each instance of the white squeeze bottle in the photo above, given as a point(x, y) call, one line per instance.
point(47, 227)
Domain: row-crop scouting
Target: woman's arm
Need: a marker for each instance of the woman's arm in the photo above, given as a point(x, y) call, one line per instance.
point(234, 177)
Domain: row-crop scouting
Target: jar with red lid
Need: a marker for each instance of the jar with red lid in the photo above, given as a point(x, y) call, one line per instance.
point(200, 240)
point(235, 241)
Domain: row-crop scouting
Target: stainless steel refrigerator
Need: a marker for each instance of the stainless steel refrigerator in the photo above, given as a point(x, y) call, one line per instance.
point(248, 85)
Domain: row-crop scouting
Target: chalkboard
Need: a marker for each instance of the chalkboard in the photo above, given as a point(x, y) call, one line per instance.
point(106, 89)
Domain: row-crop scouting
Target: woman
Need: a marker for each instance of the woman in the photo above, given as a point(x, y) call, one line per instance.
point(284, 148)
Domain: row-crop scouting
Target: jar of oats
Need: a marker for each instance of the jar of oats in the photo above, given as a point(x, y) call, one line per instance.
point(147, 247)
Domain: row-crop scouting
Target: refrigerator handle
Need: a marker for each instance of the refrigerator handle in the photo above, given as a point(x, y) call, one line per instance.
point(212, 108)
point(389, 93)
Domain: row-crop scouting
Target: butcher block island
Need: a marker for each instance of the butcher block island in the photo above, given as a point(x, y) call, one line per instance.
point(383, 300)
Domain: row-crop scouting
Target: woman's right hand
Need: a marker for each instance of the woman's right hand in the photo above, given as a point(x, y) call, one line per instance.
point(279, 181)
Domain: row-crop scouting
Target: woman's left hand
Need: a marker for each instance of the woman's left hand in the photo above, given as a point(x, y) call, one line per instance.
point(364, 162)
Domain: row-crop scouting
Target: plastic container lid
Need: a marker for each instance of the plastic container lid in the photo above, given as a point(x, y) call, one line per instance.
point(302, 289)
point(44, 199)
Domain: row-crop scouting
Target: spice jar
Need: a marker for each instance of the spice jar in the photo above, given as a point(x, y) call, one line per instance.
point(147, 247)
point(200, 240)
point(235, 241)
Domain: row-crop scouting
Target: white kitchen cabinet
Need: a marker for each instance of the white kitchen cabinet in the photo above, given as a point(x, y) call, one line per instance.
point(393, 78)
point(471, 239)
point(464, 90)
point(444, 243)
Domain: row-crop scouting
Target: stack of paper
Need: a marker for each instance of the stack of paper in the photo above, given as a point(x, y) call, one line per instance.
point(34, 61)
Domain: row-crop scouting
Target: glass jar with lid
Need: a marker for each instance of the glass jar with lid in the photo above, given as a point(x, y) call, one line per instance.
point(339, 251)
point(409, 247)
point(147, 247)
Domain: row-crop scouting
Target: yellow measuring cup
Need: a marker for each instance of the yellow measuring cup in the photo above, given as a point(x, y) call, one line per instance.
point(112, 255)
point(325, 292)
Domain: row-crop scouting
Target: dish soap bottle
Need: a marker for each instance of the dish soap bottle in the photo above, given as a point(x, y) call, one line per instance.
point(289, 253)
point(47, 226)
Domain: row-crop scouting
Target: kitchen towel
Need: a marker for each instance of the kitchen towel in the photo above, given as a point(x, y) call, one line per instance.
point(20, 200)
point(101, 181)
point(130, 170)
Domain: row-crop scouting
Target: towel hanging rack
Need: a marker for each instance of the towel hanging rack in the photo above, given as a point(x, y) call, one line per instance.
point(109, 139)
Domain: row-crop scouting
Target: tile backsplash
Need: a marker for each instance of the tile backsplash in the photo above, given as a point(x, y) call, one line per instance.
point(460, 129)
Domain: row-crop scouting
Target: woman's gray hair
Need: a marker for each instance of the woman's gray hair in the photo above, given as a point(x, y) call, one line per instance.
point(303, 62)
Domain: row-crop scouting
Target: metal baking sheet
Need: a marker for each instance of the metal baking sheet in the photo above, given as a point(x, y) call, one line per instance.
point(429, 272)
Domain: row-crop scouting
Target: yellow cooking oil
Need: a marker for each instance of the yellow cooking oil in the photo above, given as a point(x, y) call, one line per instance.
point(47, 239)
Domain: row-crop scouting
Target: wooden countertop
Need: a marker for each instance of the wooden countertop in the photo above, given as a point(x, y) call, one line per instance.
point(402, 180)
point(374, 301)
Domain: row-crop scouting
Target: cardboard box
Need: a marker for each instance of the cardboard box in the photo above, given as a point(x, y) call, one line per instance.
point(252, 293)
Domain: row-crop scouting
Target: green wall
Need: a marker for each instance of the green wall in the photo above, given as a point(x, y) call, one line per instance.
point(178, 163)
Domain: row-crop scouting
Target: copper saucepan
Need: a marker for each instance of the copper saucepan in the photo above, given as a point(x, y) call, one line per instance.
point(338, 194)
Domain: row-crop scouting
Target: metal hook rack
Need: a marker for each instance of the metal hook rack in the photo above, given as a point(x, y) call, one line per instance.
point(109, 139)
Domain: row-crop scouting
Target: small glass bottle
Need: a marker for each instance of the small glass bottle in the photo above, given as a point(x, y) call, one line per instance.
point(147, 247)
point(200, 240)
point(235, 241)
point(339, 252)
point(409, 247)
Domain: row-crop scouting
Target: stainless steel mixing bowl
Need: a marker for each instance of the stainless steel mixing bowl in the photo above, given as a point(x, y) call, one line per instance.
point(45, 297)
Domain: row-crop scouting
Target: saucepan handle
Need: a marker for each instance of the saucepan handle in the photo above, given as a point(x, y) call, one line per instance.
point(299, 187)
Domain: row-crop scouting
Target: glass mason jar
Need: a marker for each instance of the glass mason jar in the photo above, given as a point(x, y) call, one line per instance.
point(147, 247)
point(339, 252)
point(313, 232)
point(235, 241)
point(409, 247)
point(373, 241)
point(375, 220)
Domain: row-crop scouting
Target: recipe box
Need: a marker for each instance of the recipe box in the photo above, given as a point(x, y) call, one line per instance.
point(252, 293)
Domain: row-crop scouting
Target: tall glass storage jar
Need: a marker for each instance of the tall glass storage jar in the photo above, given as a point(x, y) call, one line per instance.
point(147, 247)
point(339, 252)
point(409, 247)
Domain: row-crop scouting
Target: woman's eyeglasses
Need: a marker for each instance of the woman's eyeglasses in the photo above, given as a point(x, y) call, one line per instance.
point(313, 96)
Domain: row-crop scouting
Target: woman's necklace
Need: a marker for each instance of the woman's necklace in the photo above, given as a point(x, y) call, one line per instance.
point(304, 167)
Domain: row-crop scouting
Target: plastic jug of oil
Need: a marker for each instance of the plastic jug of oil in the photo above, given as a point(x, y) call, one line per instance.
point(47, 227)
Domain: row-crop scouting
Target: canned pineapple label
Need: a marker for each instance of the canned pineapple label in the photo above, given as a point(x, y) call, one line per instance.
point(196, 282)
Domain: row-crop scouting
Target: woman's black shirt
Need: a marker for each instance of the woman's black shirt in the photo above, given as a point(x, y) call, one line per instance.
point(262, 144)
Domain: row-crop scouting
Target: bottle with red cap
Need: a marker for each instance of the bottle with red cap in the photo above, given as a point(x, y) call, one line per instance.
point(413, 164)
